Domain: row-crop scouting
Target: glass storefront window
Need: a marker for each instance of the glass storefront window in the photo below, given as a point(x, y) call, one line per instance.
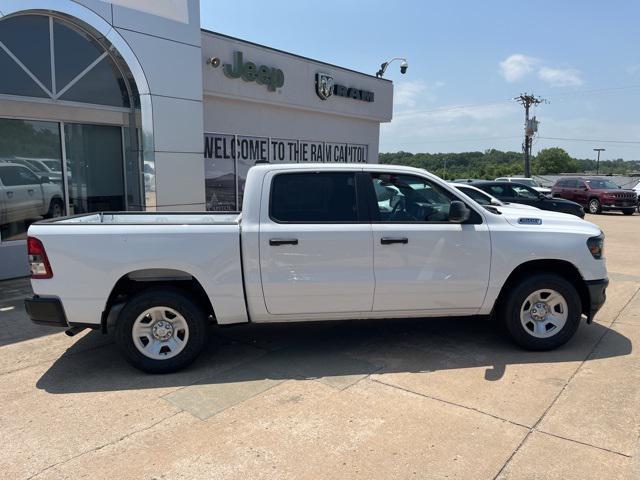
point(94, 168)
point(220, 173)
point(84, 71)
point(31, 186)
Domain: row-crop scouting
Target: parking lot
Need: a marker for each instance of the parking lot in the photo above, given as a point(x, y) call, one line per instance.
point(427, 398)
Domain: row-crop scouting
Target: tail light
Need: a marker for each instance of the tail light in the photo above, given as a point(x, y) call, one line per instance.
point(38, 261)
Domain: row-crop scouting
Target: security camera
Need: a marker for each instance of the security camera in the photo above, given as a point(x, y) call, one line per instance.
point(403, 67)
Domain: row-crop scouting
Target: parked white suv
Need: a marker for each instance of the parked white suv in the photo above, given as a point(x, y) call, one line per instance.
point(24, 195)
point(316, 242)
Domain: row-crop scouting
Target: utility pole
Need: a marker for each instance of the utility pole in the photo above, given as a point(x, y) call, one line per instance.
point(530, 127)
point(598, 161)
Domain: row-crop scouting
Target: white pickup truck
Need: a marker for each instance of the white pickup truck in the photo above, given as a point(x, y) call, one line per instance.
point(315, 242)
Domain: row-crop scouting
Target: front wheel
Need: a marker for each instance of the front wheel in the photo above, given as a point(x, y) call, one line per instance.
point(594, 206)
point(629, 211)
point(161, 330)
point(542, 312)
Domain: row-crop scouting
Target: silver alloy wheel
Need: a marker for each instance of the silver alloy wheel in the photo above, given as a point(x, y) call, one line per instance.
point(544, 313)
point(57, 210)
point(594, 205)
point(160, 333)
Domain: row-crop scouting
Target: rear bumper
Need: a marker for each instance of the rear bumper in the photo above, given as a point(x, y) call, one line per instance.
point(46, 311)
point(597, 296)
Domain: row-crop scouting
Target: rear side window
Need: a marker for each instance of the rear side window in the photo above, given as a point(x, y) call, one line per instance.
point(314, 197)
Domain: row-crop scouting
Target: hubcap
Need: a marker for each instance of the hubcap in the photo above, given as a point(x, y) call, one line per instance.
point(544, 313)
point(593, 206)
point(160, 333)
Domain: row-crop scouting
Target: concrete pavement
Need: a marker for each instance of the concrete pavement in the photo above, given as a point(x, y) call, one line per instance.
point(427, 398)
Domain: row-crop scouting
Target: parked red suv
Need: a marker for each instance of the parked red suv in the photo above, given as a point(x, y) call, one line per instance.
point(596, 194)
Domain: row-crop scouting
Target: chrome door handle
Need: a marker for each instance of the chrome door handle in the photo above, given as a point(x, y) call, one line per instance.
point(31, 190)
point(390, 240)
point(275, 242)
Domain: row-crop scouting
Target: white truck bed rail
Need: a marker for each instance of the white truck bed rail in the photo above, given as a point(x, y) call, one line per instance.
point(141, 218)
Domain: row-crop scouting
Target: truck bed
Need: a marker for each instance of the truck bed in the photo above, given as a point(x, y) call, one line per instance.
point(106, 247)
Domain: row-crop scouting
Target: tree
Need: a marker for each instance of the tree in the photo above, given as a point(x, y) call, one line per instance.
point(554, 160)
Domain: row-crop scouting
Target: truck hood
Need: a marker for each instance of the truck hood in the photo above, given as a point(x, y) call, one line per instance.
point(546, 220)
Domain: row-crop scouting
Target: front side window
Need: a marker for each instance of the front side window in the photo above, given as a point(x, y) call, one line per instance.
point(408, 198)
point(501, 191)
point(314, 197)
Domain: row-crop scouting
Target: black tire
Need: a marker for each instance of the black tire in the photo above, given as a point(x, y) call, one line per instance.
point(516, 297)
point(629, 211)
point(56, 209)
point(172, 298)
point(594, 206)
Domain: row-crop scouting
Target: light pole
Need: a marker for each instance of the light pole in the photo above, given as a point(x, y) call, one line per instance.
point(403, 66)
point(598, 161)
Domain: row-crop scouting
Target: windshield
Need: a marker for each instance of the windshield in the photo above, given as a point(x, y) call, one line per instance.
point(480, 197)
point(54, 165)
point(526, 181)
point(599, 184)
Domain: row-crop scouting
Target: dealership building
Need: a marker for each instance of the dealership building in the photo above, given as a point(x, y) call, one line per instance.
point(130, 105)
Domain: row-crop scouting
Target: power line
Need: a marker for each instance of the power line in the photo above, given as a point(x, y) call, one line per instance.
point(591, 140)
point(451, 140)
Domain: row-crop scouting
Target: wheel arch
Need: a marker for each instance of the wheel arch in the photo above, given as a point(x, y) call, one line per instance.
point(137, 281)
point(563, 268)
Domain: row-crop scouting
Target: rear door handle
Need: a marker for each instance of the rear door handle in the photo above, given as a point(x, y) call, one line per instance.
point(390, 240)
point(275, 242)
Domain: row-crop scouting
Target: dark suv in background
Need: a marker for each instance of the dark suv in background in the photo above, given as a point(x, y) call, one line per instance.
point(596, 194)
point(512, 192)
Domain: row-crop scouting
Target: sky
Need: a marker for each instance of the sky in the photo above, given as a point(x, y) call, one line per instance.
point(467, 61)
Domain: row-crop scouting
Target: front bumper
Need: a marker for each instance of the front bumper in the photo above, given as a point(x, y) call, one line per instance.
point(46, 311)
point(597, 295)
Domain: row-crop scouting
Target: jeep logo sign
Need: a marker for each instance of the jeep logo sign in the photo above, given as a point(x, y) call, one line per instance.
point(271, 77)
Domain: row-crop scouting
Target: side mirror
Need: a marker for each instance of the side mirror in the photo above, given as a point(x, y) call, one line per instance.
point(458, 212)
point(496, 202)
point(44, 179)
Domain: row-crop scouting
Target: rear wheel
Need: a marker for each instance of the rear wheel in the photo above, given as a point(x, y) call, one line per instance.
point(542, 312)
point(594, 206)
point(161, 330)
point(55, 209)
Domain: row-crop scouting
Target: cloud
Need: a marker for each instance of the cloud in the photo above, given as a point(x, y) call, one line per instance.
point(557, 77)
point(516, 67)
point(409, 93)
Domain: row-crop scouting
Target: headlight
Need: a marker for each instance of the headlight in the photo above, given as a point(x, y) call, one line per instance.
point(596, 246)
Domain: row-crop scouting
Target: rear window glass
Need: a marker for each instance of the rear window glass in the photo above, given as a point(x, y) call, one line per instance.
point(313, 197)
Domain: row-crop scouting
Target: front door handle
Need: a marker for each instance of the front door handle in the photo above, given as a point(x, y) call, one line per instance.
point(275, 242)
point(390, 240)
point(10, 194)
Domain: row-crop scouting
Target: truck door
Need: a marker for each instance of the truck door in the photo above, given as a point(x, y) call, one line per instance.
point(421, 260)
point(316, 253)
point(22, 192)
